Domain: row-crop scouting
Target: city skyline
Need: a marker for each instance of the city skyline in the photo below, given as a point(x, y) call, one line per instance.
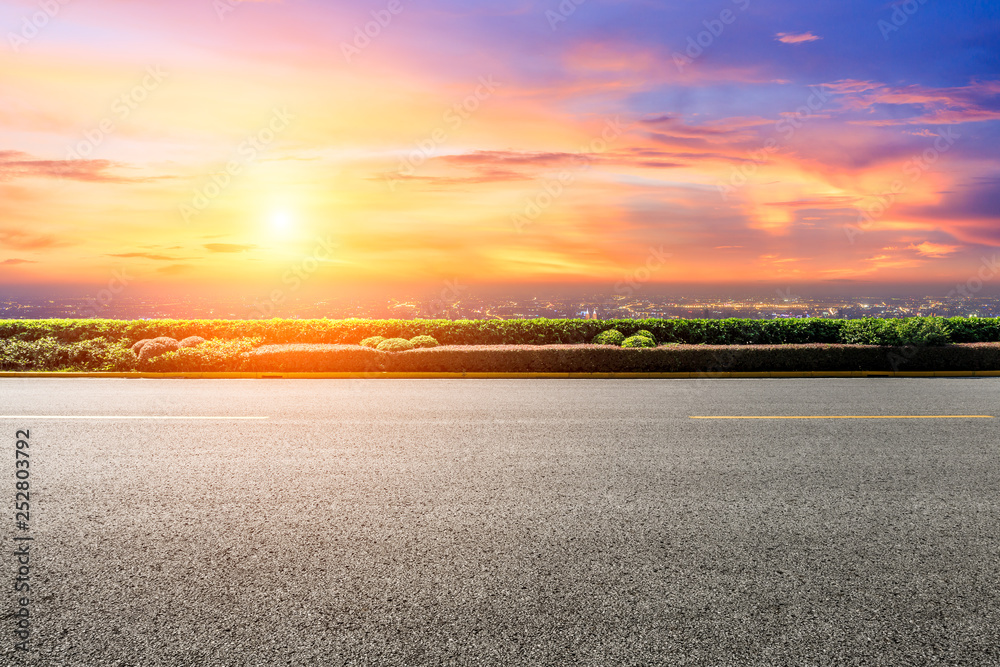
point(461, 302)
point(259, 147)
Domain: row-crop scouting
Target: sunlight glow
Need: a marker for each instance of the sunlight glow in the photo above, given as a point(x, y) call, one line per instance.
point(282, 222)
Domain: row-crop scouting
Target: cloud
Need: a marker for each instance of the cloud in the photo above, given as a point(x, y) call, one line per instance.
point(796, 38)
point(143, 255)
point(971, 209)
point(977, 101)
point(509, 158)
point(677, 127)
point(16, 164)
point(483, 176)
point(503, 166)
point(936, 250)
point(229, 247)
point(14, 260)
point(21, 240)
point(490, 166)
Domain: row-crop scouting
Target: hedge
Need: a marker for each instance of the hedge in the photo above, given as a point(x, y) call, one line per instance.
point(245, 355)
point(49, 354)
point(216, 355)
point(513, 332)
point(606, 359)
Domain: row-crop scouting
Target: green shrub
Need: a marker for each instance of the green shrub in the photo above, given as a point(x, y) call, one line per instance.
point(916, 331)
point(639, 341)
point(609, 337)
point(424, 341)
point(869, 331)
point(646, 333)
point(395, 345)
point(49, 354)
point(925, 332)
point(974, 329)
point(372, 341)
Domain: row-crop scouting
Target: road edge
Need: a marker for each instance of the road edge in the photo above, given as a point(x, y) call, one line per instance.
point(500, 376)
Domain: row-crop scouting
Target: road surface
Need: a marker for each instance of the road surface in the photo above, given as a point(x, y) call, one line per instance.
point(506, 522)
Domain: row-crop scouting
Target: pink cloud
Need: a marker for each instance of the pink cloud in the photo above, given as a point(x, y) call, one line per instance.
point(796, 38)
point(941, 106)
point(16, 164)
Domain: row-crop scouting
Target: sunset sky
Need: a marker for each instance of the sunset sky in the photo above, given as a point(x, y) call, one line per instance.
point(332, 145)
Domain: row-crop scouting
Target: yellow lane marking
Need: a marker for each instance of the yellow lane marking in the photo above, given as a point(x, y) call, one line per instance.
point(848, 417)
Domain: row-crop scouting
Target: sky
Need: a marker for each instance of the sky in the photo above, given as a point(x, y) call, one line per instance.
point(260, 147)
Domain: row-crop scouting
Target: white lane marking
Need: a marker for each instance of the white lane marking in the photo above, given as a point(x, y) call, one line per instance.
point(122, 417)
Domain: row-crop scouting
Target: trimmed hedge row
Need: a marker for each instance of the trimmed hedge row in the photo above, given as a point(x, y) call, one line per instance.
point(519, 332)
point(245, 355)
point(214, 356)
point(607, 359)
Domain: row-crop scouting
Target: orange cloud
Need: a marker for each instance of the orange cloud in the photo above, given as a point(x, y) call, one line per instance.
point(143, 255)
point(927, 249)
point(21, 240)
point(229, 247)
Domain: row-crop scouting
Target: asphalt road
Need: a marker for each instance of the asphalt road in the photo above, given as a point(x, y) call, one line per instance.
point(506, 522)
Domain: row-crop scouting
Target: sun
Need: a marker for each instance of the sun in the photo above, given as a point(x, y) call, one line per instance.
point(282, 222)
